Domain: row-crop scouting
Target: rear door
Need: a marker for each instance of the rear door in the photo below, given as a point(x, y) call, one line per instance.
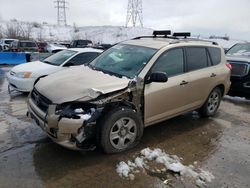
point(202, 75)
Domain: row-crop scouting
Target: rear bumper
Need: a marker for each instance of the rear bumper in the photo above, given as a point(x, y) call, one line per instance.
point(21, 84)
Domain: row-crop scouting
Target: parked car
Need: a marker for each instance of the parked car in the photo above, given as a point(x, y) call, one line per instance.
point(54, 48)
point(42, 46)
point(81, 44)
point(24, 46)
point(239, 57)
point(5, 44)
point(23, 77)
point(130, 86)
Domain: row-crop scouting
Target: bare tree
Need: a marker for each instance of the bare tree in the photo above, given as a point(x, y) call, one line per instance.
point(27, 30)
point(76, 29)
point(13, 30)
point(40, 34)
point(1, 32)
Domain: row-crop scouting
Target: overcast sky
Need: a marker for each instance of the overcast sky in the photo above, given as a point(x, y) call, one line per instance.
point(208, 17)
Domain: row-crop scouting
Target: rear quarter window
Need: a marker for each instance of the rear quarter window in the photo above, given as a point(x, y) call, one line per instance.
point(215, 54)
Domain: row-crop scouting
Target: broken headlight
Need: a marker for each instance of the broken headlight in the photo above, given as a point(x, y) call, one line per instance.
point(76, 111)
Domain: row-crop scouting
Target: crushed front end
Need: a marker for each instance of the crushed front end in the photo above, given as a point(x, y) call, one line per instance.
point(72, 125)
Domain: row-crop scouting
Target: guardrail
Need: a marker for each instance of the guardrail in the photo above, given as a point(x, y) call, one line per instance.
point(15, 58)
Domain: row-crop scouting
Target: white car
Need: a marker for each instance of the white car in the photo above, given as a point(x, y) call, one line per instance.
point(5, 44)
point(23, 77)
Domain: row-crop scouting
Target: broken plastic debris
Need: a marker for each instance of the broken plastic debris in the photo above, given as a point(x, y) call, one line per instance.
point(85, 116)
point(79, 110)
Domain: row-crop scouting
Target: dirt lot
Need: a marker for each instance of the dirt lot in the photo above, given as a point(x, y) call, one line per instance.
point(220, 145)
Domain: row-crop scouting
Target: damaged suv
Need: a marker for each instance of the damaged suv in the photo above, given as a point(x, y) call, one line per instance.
point(130, 86)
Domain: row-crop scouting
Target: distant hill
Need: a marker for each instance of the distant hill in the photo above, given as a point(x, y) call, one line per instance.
point(98, 34)
point(48, 32)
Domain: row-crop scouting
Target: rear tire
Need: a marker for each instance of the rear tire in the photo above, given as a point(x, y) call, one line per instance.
point(121, 129)
point(212, 103)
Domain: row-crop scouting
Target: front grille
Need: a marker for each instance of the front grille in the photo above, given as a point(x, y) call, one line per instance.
point(239, 68)
point(40, 101)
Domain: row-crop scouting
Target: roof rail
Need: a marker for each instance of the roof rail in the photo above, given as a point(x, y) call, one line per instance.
point(201, 40)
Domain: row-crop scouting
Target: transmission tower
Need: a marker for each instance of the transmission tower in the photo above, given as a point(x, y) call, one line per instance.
point(134, 13)
point(61, 6)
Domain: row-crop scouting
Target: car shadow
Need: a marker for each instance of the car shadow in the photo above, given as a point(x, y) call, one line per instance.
point(187, 136)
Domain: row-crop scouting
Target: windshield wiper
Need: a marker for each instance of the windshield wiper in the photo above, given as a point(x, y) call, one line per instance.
point(48, 62)
point(105, 71)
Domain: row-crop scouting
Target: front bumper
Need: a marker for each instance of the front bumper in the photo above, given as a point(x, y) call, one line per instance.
point(21, 84)
point(64, 131)
point(240, 86)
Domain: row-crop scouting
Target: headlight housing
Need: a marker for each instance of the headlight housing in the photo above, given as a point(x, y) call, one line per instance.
point(23, 74)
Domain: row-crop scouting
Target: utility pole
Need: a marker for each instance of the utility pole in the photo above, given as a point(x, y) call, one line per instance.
point(61, 6)
point(134, 13)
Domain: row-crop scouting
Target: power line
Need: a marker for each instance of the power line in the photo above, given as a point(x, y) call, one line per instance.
point(134, 13)
point(61, 6)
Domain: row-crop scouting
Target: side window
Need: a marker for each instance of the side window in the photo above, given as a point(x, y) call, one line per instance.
point(215, 54)
point(170, 62)
point(196, 58)
point(83, 58)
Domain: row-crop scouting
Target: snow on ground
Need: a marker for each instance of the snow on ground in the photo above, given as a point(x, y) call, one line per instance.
point(237, 99)
point(171, 163)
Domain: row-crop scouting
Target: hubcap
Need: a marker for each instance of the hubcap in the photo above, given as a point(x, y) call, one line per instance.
point(213, 102)
point(123, 133)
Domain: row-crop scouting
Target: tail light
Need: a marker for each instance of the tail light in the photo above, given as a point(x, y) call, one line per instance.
point(229, 66)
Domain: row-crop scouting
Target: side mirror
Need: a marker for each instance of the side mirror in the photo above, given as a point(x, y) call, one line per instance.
point(158, 77)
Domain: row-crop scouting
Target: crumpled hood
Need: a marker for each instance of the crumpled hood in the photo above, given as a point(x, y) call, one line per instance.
point(79, 82)
point(34, 67)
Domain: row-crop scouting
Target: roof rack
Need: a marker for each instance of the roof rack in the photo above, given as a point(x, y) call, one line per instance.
point(182, 34)
point(166, 34)
point(162, 32)
point(157, 34)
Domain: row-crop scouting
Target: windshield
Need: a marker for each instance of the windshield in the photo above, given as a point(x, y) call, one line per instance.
point(59, 57)
point(240, 49)
point(8, 41)
point(123, 60)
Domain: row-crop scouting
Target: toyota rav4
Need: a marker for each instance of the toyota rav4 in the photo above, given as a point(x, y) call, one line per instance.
point(132, 85)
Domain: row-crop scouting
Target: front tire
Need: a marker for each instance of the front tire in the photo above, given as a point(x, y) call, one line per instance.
point(121, 129)
point(212, 103)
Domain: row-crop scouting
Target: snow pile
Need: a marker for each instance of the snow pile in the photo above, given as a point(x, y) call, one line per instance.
point(170, 163)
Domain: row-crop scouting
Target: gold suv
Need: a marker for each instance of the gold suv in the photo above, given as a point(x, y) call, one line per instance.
point(130, 86)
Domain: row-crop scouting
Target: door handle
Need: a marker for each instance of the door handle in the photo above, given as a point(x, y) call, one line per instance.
point(213, 75)
point(183, 83)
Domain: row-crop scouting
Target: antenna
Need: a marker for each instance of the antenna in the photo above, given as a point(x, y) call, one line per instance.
point(61, 6)
point(134, 13)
